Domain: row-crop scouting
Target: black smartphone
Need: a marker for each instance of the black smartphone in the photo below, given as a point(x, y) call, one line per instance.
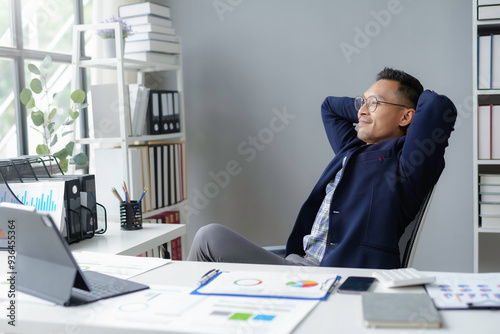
point(356, 284)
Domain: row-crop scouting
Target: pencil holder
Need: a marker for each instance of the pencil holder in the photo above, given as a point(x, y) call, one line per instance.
point(131, 216)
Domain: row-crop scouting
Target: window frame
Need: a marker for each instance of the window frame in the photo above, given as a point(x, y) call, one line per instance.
point(18, 54)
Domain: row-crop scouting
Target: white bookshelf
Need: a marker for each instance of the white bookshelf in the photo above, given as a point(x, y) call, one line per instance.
point(486, 240)
point(121, 66)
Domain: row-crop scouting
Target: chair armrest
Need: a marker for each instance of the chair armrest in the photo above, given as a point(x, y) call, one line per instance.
point(278, 250)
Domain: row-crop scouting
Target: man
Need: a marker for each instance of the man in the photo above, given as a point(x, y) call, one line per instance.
point(370, 191)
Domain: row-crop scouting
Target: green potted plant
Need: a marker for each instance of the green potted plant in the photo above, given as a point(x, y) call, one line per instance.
point(44, 121)
point(108, 35)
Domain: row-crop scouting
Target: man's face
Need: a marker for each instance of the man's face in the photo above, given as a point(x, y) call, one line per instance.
point(387, 121)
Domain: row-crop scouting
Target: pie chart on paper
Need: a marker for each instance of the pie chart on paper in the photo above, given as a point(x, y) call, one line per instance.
point(302, 284)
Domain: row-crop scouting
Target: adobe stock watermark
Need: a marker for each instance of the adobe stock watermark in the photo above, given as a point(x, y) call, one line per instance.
point(247, 149)
point(11, 273)
point(222, 7)
point(363, 36)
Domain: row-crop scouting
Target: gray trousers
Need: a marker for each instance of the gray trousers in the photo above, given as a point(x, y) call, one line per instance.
point(217, 243)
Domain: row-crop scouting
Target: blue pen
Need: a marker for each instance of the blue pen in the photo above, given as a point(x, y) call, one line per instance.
point(337, 280)
point(332, 287)
point(142, 195)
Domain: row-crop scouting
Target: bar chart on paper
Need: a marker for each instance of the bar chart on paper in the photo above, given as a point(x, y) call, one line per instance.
point(41, 196)
point(44, 196)
point(7, 197)
point(43, 202)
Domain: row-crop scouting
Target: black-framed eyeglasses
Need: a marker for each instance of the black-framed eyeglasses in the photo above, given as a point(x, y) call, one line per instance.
point(371, 103)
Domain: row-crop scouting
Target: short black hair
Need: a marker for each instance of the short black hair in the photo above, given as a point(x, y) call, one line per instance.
point(409, 86)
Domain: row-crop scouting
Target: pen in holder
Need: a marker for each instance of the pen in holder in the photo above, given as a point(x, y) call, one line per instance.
point(131, 215)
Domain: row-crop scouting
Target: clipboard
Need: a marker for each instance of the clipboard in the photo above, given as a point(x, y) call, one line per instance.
point(307, 286)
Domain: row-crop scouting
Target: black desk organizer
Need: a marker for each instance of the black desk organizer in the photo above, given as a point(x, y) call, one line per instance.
point(130, 215)
point(80, 204)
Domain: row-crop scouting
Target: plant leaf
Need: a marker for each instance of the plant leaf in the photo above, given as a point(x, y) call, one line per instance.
point(54, 140)
point(80, 159)
point(78, 96)
point(25, 96)
point(37, 117)
point(47, 62)
point(50, 126)
point(52, 113)
point(42, 149)
point(66, 133)
point(64, 165)
point(69, 147)
point(61, 154)
point(31, 103)
point(57, 96)
point(69, 122)
point(33, 69)
point(82, 106)
point(73, 114)
point(36, 86)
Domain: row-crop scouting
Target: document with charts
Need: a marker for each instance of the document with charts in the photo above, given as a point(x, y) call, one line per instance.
point(460, 291)
point(175, 310)
point(303, 284)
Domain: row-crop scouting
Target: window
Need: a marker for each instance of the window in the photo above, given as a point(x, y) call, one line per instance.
point(29, 30)
point(47, 25)
point(8, 135)
point(5, 32)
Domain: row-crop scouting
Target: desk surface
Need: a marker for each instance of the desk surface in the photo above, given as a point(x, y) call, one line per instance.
point(339, 313)
point(123, 242)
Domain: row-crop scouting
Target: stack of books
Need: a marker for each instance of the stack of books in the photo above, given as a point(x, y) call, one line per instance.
point(488, 9)
point(153, 38)
point(489, 200)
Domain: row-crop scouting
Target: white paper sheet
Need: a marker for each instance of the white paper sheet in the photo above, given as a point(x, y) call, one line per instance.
point(176, 310)
point(456, 291)
point(120, 266)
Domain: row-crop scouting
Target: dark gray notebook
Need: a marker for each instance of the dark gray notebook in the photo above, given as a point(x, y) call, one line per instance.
point(414, 310)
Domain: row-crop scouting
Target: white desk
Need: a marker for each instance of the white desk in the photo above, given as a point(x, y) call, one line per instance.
point(123, 242)
point(339, 314)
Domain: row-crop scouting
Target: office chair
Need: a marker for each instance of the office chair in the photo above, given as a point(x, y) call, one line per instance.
point(408, 241)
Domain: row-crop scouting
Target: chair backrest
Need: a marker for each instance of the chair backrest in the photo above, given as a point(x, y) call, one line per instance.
point(409, 239)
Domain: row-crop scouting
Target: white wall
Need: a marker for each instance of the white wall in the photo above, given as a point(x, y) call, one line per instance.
point(246, 61)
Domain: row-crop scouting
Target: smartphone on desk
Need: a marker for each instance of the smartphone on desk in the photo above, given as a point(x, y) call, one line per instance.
point(356, 284)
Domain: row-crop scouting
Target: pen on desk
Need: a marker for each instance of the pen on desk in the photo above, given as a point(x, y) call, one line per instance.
point(142, 195)
point(332, 287)
point(117, 195)
point(208, 276)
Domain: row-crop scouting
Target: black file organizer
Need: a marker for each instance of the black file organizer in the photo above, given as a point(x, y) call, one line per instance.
point(80, 205)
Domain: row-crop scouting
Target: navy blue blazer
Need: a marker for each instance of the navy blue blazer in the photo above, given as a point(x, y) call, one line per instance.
point(382, 186)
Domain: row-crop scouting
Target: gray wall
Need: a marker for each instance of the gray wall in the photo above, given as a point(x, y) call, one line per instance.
point(255, 75)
